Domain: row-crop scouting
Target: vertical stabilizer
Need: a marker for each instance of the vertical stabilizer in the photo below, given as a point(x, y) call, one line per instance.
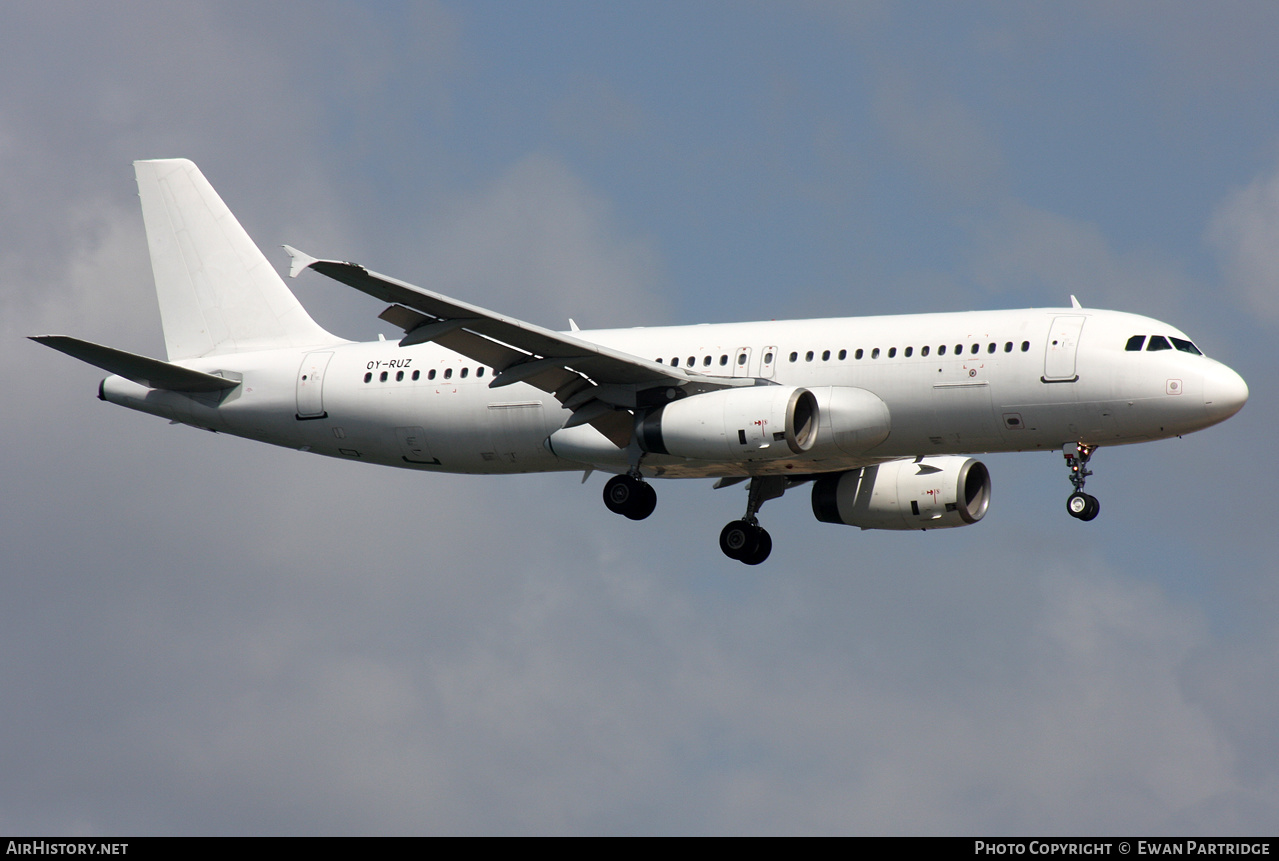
point(218, 294)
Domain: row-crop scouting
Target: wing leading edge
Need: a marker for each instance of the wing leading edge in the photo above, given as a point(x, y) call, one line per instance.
point(598, 383)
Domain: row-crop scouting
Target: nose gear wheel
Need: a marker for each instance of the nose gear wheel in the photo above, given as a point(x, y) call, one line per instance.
point(1083, 506)
point(1080, 505)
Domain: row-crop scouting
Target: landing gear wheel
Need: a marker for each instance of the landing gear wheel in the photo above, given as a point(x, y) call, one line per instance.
point(745, 542)
point(618, 493)
point(737, 539)
point(763, 547)
point(630, 497)
point(1083, 506)
point(645, 502)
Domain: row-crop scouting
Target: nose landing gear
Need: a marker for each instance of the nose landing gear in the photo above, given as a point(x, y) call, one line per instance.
point(1080, 505)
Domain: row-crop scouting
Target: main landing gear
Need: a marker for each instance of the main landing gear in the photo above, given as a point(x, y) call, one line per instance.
point(630, 496)
point(1080, 505)
point(745, 540)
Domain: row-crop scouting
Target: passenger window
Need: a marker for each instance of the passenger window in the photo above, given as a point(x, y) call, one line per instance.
point(706, 362)
point(692, 360)
point(959, 349)
point(858, 354)
point(416, 374)
point(430, 375)
point(923, 351)
point(794, 357)
point(768, 358)
point(1008, 348)
point(825, 355)
point(808, 357)
point(941, 351)
point(382, 377)
point(464, 372)
point(1158, 342)
point(741, 360)
point(991, 348)
point(1025, 346)
point(874, 354)
point(479, 372)
point(675, 362)
point(448, 373)
point(892, 352)
point(909, 350)
point(368, 377)
point(843, 354)
point(399, 376)
point(1134, 343)
point(1185, 346)
point(975, 349)
point(659, 360)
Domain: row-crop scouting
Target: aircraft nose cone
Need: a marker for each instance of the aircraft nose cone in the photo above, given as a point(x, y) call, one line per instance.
point(1225, 392)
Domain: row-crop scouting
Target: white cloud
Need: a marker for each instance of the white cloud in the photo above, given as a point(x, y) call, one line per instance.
point(1244, 230)
point(539, 244)
point(1020, 248)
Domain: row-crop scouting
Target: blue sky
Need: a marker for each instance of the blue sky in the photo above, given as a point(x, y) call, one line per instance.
point(203, 635)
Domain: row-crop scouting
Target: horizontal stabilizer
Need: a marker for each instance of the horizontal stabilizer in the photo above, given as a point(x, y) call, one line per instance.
point(151, 373)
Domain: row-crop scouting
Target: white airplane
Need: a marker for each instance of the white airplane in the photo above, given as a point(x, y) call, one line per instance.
point(879, 413)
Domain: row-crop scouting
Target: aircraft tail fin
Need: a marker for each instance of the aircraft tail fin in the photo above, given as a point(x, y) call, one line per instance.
point(217, 292)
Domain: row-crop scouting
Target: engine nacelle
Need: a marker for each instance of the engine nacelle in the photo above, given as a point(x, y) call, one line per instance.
point(854, 421)
point(935, 493)
point(755, 423)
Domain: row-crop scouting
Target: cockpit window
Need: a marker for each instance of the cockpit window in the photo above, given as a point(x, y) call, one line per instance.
point(1158, 342)
point(1185, 346)
point(1134, 343)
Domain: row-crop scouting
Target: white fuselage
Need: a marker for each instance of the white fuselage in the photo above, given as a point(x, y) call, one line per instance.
point(952, 382)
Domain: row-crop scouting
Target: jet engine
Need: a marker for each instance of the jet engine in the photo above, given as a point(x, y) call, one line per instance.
point(930, 493)
point(755, 423)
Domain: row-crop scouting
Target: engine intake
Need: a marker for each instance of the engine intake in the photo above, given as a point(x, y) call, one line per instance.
point(933, 493)
point(756, 423)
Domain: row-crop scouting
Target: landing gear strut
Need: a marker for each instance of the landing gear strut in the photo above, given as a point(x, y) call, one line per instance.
point(1080, 505)
point(745, 540)
point(629, 496)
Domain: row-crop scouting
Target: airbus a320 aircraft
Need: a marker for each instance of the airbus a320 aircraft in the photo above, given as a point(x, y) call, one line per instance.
point(878, 413)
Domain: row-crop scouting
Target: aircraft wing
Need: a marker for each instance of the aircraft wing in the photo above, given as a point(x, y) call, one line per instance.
point(591, 379)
